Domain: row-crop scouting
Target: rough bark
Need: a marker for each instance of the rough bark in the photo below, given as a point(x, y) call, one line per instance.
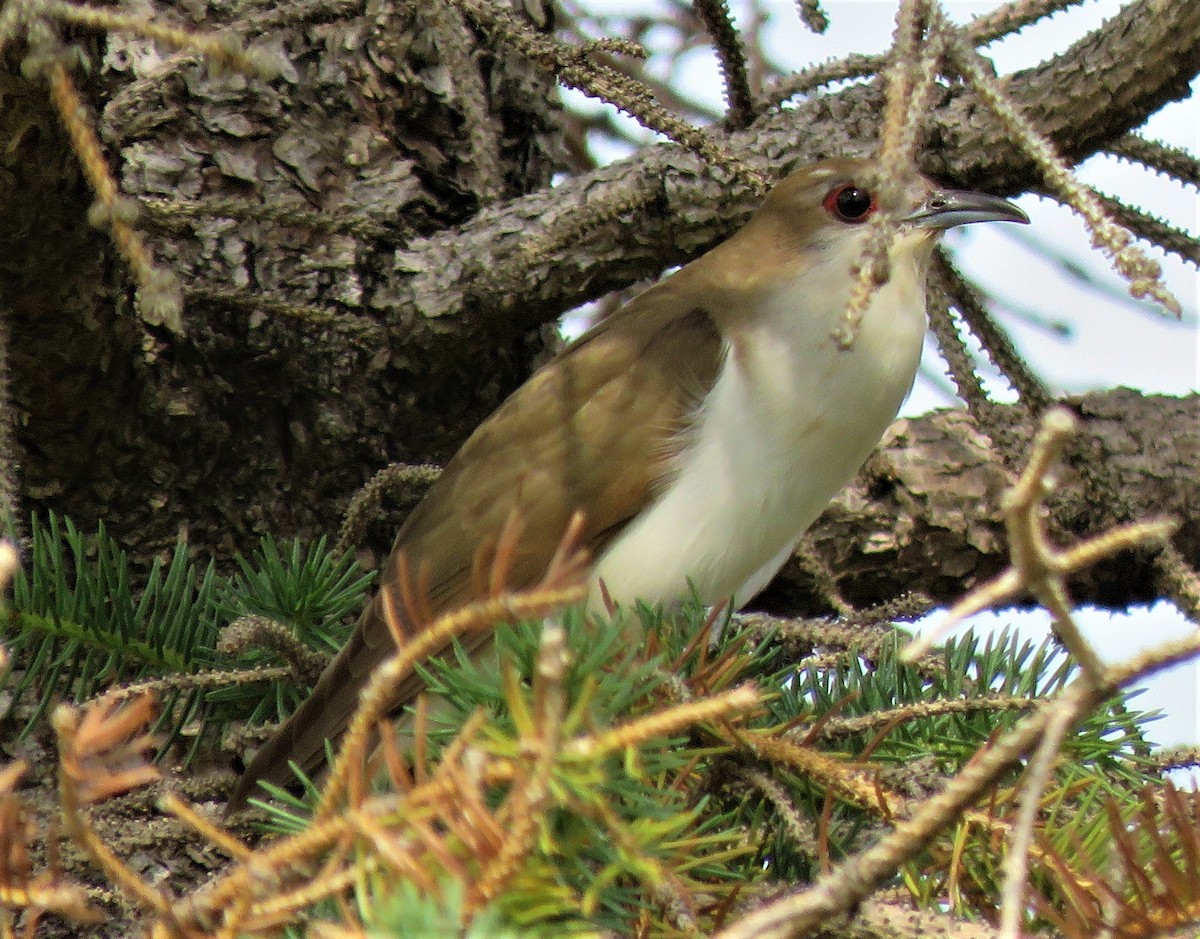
point(395, 115)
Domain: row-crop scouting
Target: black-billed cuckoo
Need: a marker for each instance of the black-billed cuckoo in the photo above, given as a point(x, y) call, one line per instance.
point(700, 429)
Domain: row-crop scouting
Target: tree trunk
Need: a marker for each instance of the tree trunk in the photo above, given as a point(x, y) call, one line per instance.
point(395, 121)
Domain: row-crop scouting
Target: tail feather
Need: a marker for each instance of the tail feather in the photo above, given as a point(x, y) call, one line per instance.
point(323, 715)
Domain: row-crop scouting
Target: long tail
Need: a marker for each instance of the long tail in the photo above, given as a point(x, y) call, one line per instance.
point(325, 714)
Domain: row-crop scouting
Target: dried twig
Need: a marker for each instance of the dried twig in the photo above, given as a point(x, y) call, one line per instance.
point(1144, 275)
point(732, 58)
point(1037, 567)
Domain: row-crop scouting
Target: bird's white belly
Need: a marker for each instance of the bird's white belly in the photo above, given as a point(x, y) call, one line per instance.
point(789, 421)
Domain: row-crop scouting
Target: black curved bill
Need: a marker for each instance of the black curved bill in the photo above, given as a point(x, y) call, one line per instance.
point(946, 208)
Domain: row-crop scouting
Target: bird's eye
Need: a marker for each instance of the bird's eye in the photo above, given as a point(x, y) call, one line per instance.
point(848, 203)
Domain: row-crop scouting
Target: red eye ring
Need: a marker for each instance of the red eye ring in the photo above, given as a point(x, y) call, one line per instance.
point(850, 204)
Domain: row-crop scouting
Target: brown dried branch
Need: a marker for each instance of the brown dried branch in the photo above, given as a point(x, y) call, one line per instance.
point(20, 888)
point(839, 727)
point(800, 828)
point(1144, 275)
point(1151, 885)
point(304, 663)
point(1159, 157)
point(822, 577)
point(541, 733)
point(812, 16)
point(99, 757)
point(1181, 757)
point(409, 481)
point(1152, 229)
point(910, 77)
point(1034, 394)
point(376, 698)
point(731, 56)
point(717, 707)
point(860, 635)
point(212, 833)
point(233, 299)
point(1012, 17)
point(847, 781)
point(174, 215)
point(159, 292)
point(214, 678)
point(1179, 581)
point(990, 26)
point(814, 76)
point(575, 67)
point(98, 754)
point(967, 383)
point(1021, 842)
point(413, 831)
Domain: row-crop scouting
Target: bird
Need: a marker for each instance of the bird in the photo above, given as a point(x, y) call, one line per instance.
point(698, 431)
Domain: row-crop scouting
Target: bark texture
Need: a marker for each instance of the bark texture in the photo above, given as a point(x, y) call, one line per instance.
point(393, 120)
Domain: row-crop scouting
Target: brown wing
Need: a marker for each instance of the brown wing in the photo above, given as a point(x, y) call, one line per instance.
point(618, 397)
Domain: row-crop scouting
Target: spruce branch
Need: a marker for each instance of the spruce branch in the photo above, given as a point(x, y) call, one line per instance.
point(852, 881)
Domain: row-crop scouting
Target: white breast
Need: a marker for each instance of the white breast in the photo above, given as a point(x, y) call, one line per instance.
point(789, 421)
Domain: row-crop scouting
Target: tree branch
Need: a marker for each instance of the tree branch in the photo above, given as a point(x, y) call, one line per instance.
point(1106, 84)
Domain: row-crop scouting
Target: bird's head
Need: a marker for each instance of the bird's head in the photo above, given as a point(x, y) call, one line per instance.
point(825, 206)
